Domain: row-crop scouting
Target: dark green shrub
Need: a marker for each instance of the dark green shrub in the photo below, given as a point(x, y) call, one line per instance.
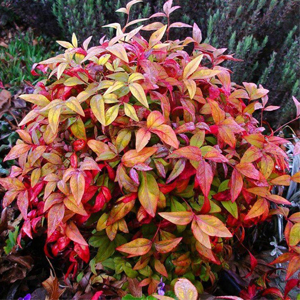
point(18, 57)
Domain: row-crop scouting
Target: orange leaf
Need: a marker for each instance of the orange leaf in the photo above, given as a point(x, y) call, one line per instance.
point(212, 226)
point(296, 177)
point(55, 216)
point(22, 202)
point(189, 152)
point(136, 247)
point(267, 166)
point(178, 217)
point(101, 149)
point(259, 191)
point(217, 113)
point(278, 199)
point(142, 138)
point(252, 154)
point(148, 193)
point(256, 140)
point(133, 157)
point(282, 180)
point(167, 135)
point(227, 135)
point(160, 268)
point(282, 258)
point(25, 136)
point(236, 184)
point(207, 253)
point(77, 185)
point(295, 217)
point(120, 210)
point(155, 119)
point(259, 208)
point(167, 245)
point(293, 266)
point(201, 236)
point(71, 204)
point(74, 234)
point(17, 151)
point(248, 170)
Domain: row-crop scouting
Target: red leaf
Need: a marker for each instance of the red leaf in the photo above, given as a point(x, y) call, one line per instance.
point(253, 264)
point(290, 285)
point(22, 202)
point(204, 177)
point(272, 291)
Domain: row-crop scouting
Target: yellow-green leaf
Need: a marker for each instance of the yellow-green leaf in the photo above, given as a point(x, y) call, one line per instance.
point(36, 99)
point(78, 129)
point(191, 87)
point(65, 44)
point(53, 117)
point(123, 139)
point(98, 109)
point(119, 51)
point(74, 40)
point(73, 81)
point(135, 76)
point(73, 104)
point(139, 93)
point(157, 36)
point(204, 74)
point(192, 66)
point(130, 112)
point(148, 193)
point(111, 114)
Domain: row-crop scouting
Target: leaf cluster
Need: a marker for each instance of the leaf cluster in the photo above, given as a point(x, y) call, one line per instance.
point(146, 156)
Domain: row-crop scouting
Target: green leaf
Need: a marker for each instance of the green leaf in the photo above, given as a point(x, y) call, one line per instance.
point(231, 207)
point(105, 250)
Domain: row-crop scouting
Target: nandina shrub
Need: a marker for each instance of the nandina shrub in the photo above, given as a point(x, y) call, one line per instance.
point(149, 154)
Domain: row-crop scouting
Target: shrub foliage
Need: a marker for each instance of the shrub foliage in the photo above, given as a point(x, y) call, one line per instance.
point(148, 154)
point(263, 33)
